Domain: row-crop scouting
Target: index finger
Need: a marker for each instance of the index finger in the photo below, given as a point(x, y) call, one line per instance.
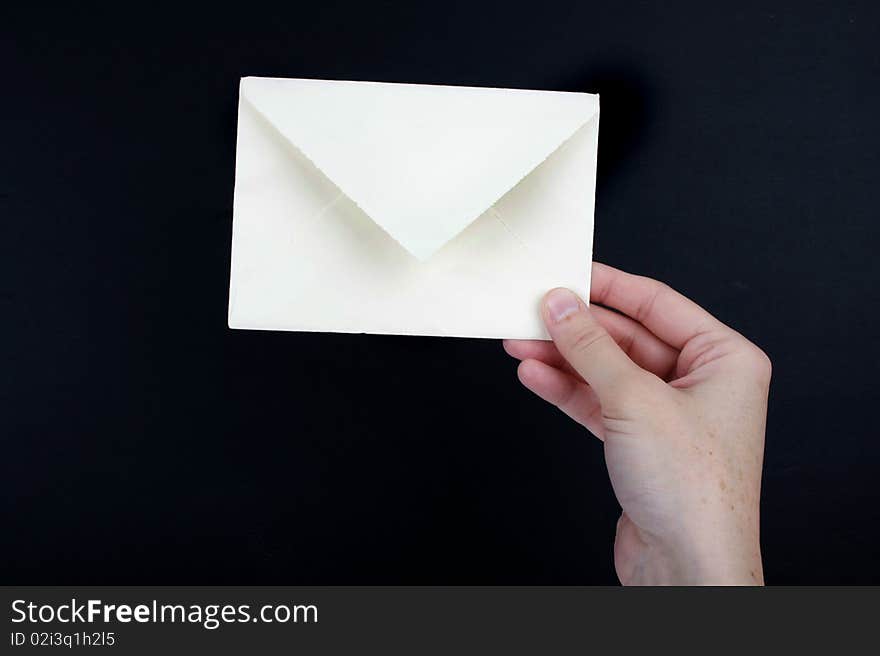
point(672, 317)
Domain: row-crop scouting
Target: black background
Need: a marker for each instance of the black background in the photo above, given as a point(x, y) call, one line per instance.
point(145, 442)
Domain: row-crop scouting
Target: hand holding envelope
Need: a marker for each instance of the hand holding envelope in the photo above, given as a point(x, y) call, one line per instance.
point(409, 209)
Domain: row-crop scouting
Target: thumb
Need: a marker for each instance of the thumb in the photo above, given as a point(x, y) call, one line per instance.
point(587, 346)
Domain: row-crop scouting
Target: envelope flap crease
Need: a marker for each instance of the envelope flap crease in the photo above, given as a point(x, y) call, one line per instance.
point(421, 161)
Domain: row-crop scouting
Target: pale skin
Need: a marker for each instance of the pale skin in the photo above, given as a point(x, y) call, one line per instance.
point(680, 401)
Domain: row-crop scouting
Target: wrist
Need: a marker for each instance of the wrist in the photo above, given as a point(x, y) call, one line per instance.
point(718, 555)
point(701, 558)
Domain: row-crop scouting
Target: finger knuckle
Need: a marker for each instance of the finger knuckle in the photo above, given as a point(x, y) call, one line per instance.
point(758, 363)
point(763, 365)
point(646, 307)
point(653, 282)
point(586, 338)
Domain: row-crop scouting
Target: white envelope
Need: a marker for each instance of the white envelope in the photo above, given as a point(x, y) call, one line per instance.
point(367, 207)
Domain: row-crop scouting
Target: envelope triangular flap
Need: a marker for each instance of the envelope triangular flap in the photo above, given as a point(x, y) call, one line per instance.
point(422, 161)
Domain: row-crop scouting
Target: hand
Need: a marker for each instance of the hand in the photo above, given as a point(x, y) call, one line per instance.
point(680, 401)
